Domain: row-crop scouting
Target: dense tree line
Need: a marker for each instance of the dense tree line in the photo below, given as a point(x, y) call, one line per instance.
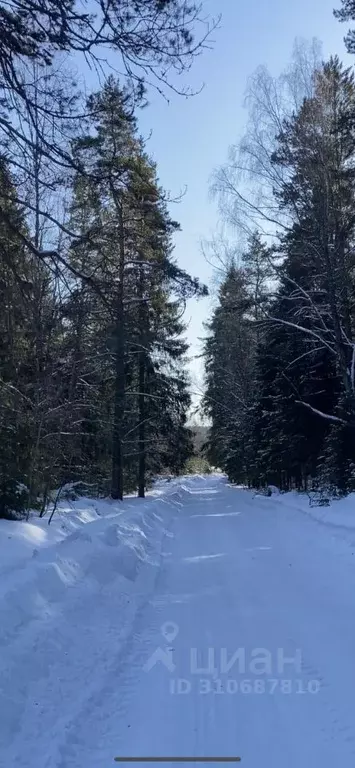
point(280, 351)
point(92, 377)
point(93, 387)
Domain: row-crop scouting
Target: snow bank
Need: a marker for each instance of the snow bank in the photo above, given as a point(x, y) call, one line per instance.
point(340, 513)
point(89, 543)
point(59, 586)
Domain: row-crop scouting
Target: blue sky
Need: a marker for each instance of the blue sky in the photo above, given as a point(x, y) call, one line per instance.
point(190, 137)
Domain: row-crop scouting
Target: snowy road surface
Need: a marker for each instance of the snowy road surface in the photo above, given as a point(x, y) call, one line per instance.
point(228, 629)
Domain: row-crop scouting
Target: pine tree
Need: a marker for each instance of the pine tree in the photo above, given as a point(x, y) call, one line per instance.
point(126, 246)
point(347, 13)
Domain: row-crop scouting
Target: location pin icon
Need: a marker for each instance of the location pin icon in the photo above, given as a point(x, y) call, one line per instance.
point(169, 631)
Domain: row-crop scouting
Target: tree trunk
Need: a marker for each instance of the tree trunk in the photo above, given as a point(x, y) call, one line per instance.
point(141, 388)
point(120, 390)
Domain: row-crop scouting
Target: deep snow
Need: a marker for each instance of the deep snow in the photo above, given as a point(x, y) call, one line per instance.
point(163, 627)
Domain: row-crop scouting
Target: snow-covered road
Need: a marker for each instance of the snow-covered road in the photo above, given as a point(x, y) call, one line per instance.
point(240, 642)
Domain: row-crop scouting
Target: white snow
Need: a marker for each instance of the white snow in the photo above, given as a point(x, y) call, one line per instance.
point(163, 627)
